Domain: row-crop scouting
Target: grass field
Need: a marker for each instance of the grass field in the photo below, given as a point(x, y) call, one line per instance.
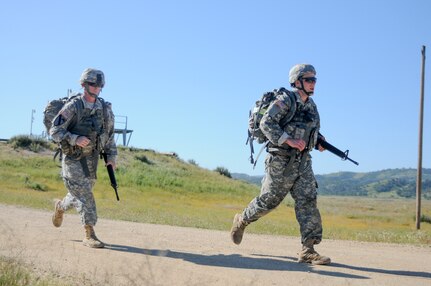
point(163, 189)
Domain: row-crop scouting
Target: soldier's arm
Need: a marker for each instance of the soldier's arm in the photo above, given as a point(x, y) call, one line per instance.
point(270, 123)
point(61, 123)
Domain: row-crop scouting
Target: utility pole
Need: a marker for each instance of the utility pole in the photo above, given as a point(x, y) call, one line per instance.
point(32, 119)
point(419, 171)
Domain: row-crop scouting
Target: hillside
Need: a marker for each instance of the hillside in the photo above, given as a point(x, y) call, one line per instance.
point(148, 170)
point(155, 187)
point(391, 183)
point(162, 188)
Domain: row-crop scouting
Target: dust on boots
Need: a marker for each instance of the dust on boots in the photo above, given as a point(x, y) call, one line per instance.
point(309, 255)
point(237, 230)
point(57, 217)
point(91, 239)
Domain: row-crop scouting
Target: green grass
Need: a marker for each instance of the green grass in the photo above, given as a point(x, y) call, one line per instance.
point(15, 273)
point(163, 189)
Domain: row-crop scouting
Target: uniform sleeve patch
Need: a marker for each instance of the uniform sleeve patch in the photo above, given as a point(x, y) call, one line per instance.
point(275, 108)
point(280, 104)
point(66, 113)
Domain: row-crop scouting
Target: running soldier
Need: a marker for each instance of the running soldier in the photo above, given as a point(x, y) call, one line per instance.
point(288, 164)
point(85, 128)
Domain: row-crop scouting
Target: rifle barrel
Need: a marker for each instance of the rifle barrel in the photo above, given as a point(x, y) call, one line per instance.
point(111, 175)
point(113, 180)
point(331, 148)
point(354, 162)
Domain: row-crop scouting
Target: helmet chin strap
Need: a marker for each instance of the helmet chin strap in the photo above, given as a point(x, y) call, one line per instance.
point(94, 95)
point(308, 93)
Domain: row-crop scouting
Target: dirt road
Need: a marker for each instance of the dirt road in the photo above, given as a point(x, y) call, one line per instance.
point(145, 254)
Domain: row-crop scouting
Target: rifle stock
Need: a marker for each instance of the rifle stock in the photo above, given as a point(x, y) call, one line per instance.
point(111, 175)
point(334, 150)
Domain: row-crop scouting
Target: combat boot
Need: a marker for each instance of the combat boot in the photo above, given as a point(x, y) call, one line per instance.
point(309, 255)
point(91, 239)
point(237, 230)
point(57, 217)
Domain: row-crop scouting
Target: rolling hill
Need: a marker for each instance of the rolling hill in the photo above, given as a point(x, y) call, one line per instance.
point(391, 183)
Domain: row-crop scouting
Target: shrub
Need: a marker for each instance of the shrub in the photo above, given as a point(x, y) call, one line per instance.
point(27, 142)
point(223, 171)
point(34, 185)
point(143, 159)
point(426, 218)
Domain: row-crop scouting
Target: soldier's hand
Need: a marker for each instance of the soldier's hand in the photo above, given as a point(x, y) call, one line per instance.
point(296, 143)
point(319, 147)
point(82, 141)
point(112, 164)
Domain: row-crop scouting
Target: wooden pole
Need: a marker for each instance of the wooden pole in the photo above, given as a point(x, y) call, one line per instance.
point(419, 170)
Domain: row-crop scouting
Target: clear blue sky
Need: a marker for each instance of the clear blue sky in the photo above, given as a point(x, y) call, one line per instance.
point(186, 73)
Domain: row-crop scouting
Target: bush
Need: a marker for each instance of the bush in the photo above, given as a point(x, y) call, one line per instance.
point(34, 185)
point(426, 218)
point(27, 142)
point(223, 171)
point(143, 159)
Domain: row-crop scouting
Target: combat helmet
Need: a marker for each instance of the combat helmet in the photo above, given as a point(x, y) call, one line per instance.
point(95, 76)
point(297, 71)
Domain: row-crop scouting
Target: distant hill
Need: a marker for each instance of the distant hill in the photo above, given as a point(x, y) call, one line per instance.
point(251, 179)
point(385, 183)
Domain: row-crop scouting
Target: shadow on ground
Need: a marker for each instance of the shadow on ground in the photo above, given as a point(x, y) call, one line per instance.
point(259, 262)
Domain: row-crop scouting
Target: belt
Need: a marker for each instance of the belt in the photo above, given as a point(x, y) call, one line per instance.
point(293, 154)
point(283, 152)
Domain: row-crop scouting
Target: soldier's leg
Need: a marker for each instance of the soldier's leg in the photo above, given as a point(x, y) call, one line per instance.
point(79, 187)
point(304, 192)
point(276, 184)
point(68, 202)
point(81, 197)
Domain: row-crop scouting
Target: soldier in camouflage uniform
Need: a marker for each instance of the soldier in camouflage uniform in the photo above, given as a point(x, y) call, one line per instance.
point(288, 164)
point(85, 127)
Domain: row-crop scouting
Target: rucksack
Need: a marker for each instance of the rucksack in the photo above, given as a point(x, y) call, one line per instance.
point(53, 108)
point(256, 114)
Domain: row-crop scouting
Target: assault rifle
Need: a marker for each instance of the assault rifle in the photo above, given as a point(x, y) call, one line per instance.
point(111, 174)
point(334, 150)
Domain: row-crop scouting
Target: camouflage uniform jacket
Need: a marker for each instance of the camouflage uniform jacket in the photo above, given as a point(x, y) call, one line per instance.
point(93, 122)
point(305, 124)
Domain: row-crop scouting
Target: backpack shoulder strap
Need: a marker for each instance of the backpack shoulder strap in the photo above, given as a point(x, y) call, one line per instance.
point(79, 105)
point(105, 111)
point(292, 100)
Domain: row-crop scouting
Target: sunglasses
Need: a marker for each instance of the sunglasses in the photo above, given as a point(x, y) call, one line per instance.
point(309, 79)
point(94, 84)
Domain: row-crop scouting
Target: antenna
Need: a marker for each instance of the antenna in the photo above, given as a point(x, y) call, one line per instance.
point(32, 120)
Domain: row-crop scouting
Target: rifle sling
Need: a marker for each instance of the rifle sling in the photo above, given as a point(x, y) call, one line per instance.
point(84, 165)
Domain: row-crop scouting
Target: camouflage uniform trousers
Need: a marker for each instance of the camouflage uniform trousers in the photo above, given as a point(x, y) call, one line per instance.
point(80, 189)
point(282, 178)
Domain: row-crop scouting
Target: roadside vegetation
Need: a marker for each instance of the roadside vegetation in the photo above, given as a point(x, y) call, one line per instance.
point(15, 273)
